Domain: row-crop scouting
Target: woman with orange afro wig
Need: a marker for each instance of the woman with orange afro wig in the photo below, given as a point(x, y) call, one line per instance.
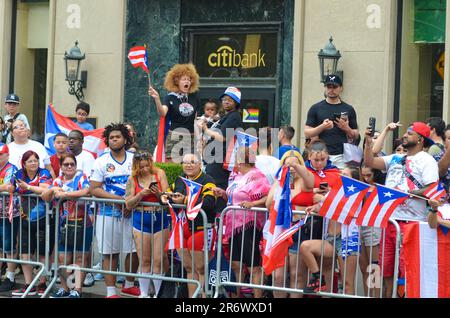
point(181, 106)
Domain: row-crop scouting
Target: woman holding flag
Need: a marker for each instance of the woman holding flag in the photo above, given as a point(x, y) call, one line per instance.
point(150, 223)
point(302, 183)
point(181, 105)
point(194, 188)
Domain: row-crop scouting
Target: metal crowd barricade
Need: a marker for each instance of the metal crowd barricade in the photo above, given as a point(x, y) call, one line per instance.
point(89, 208)
point(26, 239)
point(223, 281)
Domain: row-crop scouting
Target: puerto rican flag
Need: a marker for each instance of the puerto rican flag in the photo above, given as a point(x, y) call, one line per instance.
point(435, 191)
point(138, 57)
point(277, 230)
point(56, 123)
point(193, 192)
point(344, 201)
point(427, 261)
point(379, 207)
point(240, 140)
point(176, 239)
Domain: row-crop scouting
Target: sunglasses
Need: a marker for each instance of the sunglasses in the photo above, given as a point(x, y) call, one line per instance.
point(69, 164)
point(142, 156)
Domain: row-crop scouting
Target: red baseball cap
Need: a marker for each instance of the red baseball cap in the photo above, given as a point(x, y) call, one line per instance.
point(3, 148)
point(423, 130)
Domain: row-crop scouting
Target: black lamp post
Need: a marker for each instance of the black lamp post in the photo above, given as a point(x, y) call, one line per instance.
point(328, 60)
point(76, 82)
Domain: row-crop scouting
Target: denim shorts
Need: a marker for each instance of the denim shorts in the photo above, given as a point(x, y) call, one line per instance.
point(8, 235)
point(71, 246)
point(150, 222)
point(345, 247)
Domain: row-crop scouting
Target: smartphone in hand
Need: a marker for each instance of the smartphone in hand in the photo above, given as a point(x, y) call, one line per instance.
point(323, 185)
point(154, 183)
point(372, 121)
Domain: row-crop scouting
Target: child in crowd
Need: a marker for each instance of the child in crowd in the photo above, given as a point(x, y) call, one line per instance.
point(211, 117)
point(82, 112)
point(12, 104)
point(60, 143)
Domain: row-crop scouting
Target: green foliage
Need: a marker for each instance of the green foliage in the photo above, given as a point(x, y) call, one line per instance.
point(172, 170)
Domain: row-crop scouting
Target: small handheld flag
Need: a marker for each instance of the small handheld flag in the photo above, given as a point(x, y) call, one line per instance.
point(138, 57)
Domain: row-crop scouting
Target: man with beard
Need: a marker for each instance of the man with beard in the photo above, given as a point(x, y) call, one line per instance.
point(85, 160)
point(114, 227)
point(412, 173)
point(333, 121)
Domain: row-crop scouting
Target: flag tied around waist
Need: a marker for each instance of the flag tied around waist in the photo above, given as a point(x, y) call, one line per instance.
point(345, 200)
point(57, 123)
point(277, 231)
point(138, 57)
point(193, 192)
point(427, 261)
point(240, 140)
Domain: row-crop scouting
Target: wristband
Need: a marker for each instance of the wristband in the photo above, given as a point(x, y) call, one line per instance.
point(432, 210)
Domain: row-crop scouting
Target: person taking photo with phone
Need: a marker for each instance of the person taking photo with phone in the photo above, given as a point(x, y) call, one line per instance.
point(333, 121)
point(150, 223)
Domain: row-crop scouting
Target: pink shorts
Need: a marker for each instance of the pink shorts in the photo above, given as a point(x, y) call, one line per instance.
point(387, 244)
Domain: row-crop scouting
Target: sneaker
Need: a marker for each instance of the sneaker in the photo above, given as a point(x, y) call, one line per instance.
point(113, 296)
point(61, 293)
point(131, 291)
point(120, 279)
point(7, 285)
point(99, 276)
point(142, 296)
point(74, 294)
point(97, 266)
point(21, 291)
point(89, 280)
point(41, 288)
point(314, 285)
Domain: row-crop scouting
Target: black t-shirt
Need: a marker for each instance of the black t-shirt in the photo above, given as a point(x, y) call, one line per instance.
point(182, 110)
point(220, 175)
point(335, 137)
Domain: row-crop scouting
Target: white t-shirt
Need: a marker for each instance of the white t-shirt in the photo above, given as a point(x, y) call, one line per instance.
point(16, 152)
point(424, 169)
point(85, 162)
point(114, 176)
point(268, 165)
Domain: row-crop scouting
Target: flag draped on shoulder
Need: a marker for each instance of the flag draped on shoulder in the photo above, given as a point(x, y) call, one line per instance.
point(427, 261)
point(277, 230)
point(380, 205)
point(57, 123)
point(138, 57)
point(344, 201)
point(240, 140)
point(176, 239)
point(435, 191)
point(193, 192)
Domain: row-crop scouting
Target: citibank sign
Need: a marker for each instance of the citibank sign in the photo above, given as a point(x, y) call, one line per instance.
point(225, 56)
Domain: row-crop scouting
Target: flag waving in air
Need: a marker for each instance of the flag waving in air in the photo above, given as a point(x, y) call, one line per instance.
point(240, 140)
point(380, 205)
point(138, 57)
point(193, 192)
point(277, 230)
point(427, 261)
point(435, 191)
point(344, 200)
point(57, 123)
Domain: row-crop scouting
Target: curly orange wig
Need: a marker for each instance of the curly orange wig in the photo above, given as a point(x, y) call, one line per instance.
point(176, 72)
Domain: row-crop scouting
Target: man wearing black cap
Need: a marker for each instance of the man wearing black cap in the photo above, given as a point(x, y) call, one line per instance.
point(12, 108)
point(333, 121)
